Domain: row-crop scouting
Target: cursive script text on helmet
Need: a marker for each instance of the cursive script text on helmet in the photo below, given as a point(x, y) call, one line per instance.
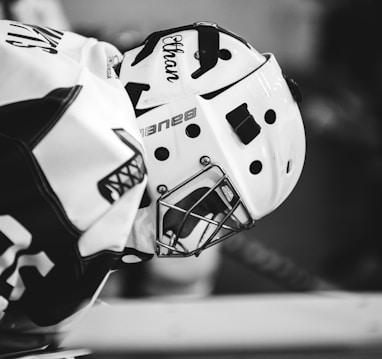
point(171, 46)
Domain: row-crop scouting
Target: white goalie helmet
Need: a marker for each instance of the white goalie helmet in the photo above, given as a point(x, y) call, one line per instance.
point(223, 132)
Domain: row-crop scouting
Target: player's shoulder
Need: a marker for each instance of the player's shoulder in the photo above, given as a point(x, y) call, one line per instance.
point(44, 45)
point(36, 59)
point(46, 39)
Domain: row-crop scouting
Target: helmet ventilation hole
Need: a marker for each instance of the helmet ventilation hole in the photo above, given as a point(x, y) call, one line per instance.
point(255, 167)
point(225, 54)
point(270, 117)
point(192, 130)
point(161, 153)
point(289, 166)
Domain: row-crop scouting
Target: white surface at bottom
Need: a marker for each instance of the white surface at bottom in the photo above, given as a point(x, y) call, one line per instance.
point(245, 322)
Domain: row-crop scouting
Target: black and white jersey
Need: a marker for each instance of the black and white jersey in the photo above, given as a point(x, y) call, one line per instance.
point(72, 171)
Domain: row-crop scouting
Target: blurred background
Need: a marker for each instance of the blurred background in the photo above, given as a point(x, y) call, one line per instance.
point(330, 224)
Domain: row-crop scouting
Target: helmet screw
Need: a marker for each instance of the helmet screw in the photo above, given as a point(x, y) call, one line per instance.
point(205, 160)
point(162, 188)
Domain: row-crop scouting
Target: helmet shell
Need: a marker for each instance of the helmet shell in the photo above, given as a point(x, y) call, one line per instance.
point(201, 92)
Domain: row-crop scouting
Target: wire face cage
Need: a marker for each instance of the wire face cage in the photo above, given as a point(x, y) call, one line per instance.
point(201, 211)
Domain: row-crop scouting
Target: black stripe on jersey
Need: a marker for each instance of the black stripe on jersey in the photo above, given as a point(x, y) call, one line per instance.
point(23, 125)
point(29, 120)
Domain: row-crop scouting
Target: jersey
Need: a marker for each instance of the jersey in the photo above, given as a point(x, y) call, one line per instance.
point(72, 168)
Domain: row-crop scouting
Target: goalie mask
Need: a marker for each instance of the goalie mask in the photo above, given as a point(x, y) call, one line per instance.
point(223, 132)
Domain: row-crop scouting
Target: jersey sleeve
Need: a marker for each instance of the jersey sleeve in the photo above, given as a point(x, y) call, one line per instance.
point(72, 170)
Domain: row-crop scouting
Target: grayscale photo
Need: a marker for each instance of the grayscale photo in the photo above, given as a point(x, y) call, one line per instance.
point(190, 179)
